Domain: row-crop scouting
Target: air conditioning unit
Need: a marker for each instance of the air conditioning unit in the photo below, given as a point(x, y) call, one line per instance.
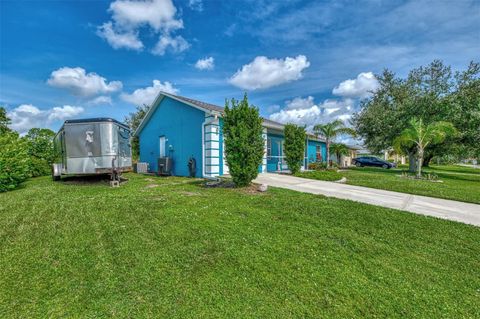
point(140, 167)
point(165, 165)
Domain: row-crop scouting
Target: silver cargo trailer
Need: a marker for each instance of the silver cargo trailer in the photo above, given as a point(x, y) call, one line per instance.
point(92, 146)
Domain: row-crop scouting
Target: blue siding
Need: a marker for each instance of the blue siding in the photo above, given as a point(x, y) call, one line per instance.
point(312, 150)
point(181, 124)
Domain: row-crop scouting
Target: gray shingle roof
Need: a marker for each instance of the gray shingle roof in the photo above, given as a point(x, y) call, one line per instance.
point(200, 104)
point(216, 108)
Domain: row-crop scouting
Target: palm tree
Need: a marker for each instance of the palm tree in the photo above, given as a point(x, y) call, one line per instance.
point(421, 136)
point(339, 149)
point(331, 130)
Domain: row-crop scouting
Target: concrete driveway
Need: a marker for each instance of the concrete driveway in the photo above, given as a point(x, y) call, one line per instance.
point(436, 207)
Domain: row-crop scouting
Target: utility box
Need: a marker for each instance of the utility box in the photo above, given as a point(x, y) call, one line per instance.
point(140, 167)
point(165, 165)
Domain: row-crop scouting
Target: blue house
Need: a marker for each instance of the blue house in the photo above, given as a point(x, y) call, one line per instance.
point(182, 128)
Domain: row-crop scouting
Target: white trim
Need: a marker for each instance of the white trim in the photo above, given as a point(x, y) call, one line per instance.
point(208, 120)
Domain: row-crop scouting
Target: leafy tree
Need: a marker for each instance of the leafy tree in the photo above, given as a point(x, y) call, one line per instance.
point(133, 120)
point(432, 93)
point(14, 161)
point(244, 145)
point(330, 131)
point(4, 121)
point(339, 149)
point(41, 150)
point(464, 111)
point(421, 135)
point(295, 137)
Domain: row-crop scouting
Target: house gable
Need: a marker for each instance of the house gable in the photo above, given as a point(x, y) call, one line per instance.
point(181, 127)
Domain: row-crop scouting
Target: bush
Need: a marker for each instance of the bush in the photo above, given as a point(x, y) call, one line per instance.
point(14, 161)
point(294, 146)
point(41, 150)
point(317, 166)
point(244, 144)
point(38, 167)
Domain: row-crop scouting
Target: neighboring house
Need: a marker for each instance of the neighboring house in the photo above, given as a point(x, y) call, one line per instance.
point(346, 160)
point(390, 154)
point(182, 128)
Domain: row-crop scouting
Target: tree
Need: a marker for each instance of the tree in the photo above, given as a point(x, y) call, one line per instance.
point(4, 121)
point(14, 161)
point(295, 137)
point(40, 148)
point(339, 149)
point(420, 135)
point(133, 120)
point(431, 93)
point(244, 144)
point(330, 131)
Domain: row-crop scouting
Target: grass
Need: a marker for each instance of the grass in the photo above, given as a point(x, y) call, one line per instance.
point(458, 183)
point(168, 247)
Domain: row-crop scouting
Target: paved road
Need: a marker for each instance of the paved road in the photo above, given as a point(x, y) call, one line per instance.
point(436, 207)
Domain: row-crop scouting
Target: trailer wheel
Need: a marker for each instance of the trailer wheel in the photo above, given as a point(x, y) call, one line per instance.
point(55, 177)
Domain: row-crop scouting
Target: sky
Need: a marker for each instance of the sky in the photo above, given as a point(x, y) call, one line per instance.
point(304, 62)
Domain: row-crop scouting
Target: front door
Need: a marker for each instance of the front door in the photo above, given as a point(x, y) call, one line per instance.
point(162, 146)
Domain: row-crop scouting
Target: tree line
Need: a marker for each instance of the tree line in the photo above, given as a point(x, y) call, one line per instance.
point(23, 157)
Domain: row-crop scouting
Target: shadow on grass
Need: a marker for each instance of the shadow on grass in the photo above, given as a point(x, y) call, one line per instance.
point(86, 180)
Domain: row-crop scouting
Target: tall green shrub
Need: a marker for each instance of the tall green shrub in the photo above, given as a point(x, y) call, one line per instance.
point(295, 137)
point(41, 151)
point(14, 161)
point(244, 145)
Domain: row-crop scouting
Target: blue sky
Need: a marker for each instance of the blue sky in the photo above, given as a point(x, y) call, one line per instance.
point(300, 61)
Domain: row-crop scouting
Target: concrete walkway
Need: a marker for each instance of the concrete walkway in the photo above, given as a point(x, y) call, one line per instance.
point(436, 207)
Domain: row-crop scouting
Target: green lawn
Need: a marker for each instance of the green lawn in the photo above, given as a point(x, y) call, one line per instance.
point(458, 183)
point(168, 247)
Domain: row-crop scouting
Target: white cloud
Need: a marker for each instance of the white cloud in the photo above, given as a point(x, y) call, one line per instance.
point(158, 14)
point(101, 100)
point(361, 87)
point(64, 112)
point(27, 116)
point(80, 83)
point(263, 72)
point(177, 44)
point(118, 40)
point(308, 113)
point(300, 103)
point(147, 95)
point(130, 17)
point(205, 64)
point(196, 5)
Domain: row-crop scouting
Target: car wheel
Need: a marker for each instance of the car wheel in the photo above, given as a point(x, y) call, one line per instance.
point(385, 166)
point(357, 164)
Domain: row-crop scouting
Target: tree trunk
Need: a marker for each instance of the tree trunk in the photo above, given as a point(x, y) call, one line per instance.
point(426, 160)
point(328, 152)
point(420, 161)
point(411, 162)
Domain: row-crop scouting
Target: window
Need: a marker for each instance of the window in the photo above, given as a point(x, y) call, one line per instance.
point(318, 153)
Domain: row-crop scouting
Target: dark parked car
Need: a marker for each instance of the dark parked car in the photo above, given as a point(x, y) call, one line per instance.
point(372, 161)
